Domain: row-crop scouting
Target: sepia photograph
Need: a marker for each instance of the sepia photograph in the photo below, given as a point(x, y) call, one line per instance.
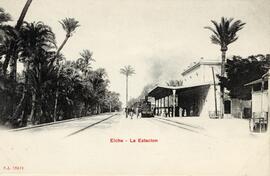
point(134, 87)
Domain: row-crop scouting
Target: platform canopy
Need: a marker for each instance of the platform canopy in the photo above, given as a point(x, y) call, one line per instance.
point(163, 91)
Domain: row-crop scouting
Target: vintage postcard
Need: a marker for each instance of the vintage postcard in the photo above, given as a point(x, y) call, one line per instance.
point(125, 87)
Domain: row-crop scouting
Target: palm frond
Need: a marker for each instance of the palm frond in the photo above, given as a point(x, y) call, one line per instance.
point(69, 25)
point(4, 17)
point(127, 70)
point(225, 31)
point(215, 40)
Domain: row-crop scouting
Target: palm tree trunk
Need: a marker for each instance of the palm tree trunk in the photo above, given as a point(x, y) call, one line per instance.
point(59, 49)
point(6, 62)
point(62, 45)
point(110, 107)
point(223, 59)
point(85, 108)
point(126, 91)
point(126, 96)
point(55, 103)
point(22, 100)
point(56, 95)
point(13, 67)
point(33, 108)
point(57, 90)
point(23, 13)
point(14, 58)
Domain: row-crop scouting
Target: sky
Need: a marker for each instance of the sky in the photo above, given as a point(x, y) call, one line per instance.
point(159, 38)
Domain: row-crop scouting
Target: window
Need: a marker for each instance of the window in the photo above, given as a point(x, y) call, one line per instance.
point(257, 87)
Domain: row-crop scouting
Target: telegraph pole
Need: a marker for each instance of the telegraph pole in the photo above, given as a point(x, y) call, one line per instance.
point(214, 80)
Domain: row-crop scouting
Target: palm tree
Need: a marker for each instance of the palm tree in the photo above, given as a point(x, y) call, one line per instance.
point(83, 63)
point(4, 17)
point(127, 71)
point(69, 25)
point(99, 81)
point(224, 34)
point(36, 38)
point(23, 13)
point(7, 35)
point(14, 57)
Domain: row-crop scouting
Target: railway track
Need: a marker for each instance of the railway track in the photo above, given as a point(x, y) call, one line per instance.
point(183, 126)
point(78, 121)
point(91, 125)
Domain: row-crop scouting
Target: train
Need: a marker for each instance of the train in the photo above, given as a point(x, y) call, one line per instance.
point(145, 108)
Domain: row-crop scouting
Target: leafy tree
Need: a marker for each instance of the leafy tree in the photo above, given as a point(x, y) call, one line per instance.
point(112, 101)
point(175, 83)
point(224, 33)
point(241, 71)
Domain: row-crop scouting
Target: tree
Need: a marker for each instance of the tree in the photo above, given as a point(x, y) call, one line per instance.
point(99, 81)
point(4, 17)
point(36, 38)
point(69, 25)
point(175, 83)
point(23, 13)
point(71, 90)
point(224, 34)
point(8, 35)
point(111, 101)
point(84, 62)
point(127, 71)
point(241, 71)
point(14, 57)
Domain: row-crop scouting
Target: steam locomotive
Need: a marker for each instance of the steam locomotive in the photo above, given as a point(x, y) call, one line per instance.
point(145, 108)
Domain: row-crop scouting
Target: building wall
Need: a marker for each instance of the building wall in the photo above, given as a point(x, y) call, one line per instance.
point(260, 102)
point(209, 104)
point(194, 76)
point(201, 74)
point(238, 106)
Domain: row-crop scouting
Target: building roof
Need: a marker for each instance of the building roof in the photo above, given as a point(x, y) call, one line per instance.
point(162, 91)
point(264, 78)
point(201, 62)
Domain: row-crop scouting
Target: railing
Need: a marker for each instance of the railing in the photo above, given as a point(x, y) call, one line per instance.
point(258, 122)
point(214, 115)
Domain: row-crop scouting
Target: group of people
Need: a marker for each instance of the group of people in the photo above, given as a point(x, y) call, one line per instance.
point(130, 112)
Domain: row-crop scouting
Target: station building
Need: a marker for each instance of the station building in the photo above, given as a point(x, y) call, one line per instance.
point(198, 96)
point(259, 92)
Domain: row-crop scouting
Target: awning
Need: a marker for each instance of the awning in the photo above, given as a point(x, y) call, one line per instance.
point(264, 78)
point(256, 81)
point(163, 91)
